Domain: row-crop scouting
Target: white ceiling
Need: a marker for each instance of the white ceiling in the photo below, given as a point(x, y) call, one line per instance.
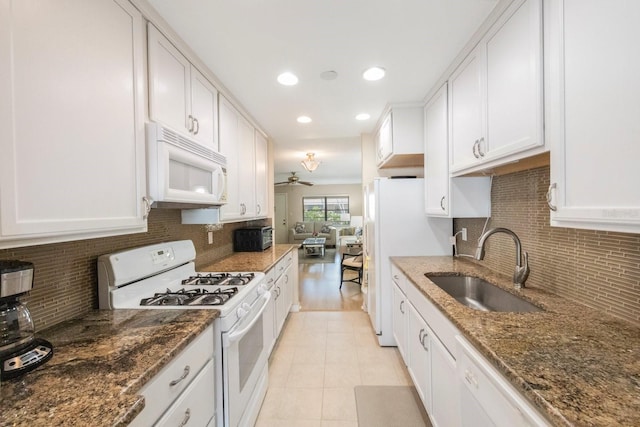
point(247, 43)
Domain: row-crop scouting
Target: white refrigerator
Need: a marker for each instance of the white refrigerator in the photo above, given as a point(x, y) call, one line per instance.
point(395, 224)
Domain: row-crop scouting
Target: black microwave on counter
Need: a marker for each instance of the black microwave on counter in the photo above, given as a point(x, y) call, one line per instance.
point(252, 239)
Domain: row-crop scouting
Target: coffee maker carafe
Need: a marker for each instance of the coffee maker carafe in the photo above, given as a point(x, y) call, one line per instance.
point(20, 350)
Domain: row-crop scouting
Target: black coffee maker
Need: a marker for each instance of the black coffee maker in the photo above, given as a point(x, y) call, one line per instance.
point(20, 350)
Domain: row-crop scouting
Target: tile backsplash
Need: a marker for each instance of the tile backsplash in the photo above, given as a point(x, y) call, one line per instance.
point(65, 280)
point(599, 269)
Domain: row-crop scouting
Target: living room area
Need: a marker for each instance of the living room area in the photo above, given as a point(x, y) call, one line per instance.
point(332, 212)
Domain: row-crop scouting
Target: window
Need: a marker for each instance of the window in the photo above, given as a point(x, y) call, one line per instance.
point(326, 208)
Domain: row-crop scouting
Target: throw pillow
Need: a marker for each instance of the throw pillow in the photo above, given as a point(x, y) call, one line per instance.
point(299, 227)
point(325, 229)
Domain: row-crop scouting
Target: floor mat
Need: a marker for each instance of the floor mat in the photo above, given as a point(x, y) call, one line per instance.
point(390, 406)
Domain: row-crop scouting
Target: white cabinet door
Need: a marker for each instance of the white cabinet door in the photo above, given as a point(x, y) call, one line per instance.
point(419, 339)
point(436, 155)
point(179, 95)
point(466, 114)
point(204, 109)
point(384, 140)
point(514, 81)
point(71, 121)
point(229, 146)
point(593, 112)
point(247, 168)
point(445, 409)
point(399, 320)
point(169, 83)
point(284, 295)
point(262, 182)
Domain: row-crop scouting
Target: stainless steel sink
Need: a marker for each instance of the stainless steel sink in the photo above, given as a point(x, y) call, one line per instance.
point(481, 295)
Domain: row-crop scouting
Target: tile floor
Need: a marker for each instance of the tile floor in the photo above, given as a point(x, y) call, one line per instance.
point(320, 357)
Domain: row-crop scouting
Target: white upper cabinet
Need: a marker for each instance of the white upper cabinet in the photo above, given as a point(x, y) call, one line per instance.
point(71, 121)
point(262, 182)
point(399, 140)
point(446, 196)
point(179, 95)
point(246, 151)
point(593, 113)
point(496, 94)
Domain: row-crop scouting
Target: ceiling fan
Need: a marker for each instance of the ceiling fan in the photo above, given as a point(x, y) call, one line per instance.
point(294, 179)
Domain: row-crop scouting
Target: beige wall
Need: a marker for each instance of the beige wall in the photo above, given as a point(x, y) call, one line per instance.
point(595, 268)
point(296, 192)
point(66, 282)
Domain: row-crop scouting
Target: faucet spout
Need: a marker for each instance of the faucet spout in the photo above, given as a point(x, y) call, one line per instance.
point(522, 262)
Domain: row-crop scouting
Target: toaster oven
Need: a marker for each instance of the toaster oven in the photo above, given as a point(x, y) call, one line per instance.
point(252, 239)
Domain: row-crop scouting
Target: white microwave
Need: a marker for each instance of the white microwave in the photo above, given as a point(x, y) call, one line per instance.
point(182, 171)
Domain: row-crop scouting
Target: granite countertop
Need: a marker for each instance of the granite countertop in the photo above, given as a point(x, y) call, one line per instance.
point(100, 362)
point(577, 365)
point(250, 261)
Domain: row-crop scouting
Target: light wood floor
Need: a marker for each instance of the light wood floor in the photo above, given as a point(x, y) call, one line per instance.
point(320, 288)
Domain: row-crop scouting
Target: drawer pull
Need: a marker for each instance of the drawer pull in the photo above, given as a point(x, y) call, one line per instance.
point(401, 304)
point(185, 373)
point(187, 415)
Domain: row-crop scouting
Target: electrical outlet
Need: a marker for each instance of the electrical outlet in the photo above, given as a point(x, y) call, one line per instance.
point(464, 234)
point(452, 240)
point(210, 237)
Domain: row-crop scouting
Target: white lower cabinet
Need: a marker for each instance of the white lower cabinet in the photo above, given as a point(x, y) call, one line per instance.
point(458, 387)
point(399, 315)
point(184, 389)
point(283, 290)
point(487, 399)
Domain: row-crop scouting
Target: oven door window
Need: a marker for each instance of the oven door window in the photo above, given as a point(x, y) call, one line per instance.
point(249, 351)
point(189, 178)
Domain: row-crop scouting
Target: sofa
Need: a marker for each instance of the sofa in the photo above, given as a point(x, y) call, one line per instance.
point(304, 229)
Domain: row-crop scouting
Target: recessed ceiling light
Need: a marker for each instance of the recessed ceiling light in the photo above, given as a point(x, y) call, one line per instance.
point(288, 79)
point(363, 116)
point(373, 73)
point(329, 75)
point(304, 119)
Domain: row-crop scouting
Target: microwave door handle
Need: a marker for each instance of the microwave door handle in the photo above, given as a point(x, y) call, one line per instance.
point(220, 176)
point(236, 334)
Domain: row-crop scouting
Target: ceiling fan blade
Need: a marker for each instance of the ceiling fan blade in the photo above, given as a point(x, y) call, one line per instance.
point(305, 183)
point(280, 183)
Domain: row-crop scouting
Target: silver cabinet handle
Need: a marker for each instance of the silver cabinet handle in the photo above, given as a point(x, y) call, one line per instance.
point(196, 127)
point(187, 415)
point(474, 148)
point(480, 152)
point(190, 123)
point(553, 207)
point(184, 375)
point(401, 304)
point(147, 206)
point(442, 203)
point(424, 346)
point(420, 337)
point(258, 208)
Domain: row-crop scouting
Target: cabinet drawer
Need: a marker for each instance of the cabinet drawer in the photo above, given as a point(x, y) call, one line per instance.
point(501, 402)
point(283, 263)
point(159, 394)
point(196, 405)
point(399, 278)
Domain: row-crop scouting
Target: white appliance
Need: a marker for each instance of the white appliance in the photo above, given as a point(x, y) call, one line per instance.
point(181, 170)
point(162, 276)
point(395, 224)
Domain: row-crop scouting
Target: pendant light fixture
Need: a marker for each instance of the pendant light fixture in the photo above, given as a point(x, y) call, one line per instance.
point(310, 163)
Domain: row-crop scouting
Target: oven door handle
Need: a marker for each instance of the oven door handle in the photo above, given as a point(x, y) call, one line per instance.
point(238, 331)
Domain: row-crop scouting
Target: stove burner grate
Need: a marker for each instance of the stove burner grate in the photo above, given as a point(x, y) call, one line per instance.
point(192, 297)
point(219, 279)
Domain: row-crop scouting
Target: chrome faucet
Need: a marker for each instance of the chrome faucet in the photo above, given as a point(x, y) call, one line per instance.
point(522, 271)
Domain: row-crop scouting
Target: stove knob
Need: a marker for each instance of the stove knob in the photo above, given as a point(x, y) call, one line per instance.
point(262, 289)
point(246, 306)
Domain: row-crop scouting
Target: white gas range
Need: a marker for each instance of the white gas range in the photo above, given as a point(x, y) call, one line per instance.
point(163, 276)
